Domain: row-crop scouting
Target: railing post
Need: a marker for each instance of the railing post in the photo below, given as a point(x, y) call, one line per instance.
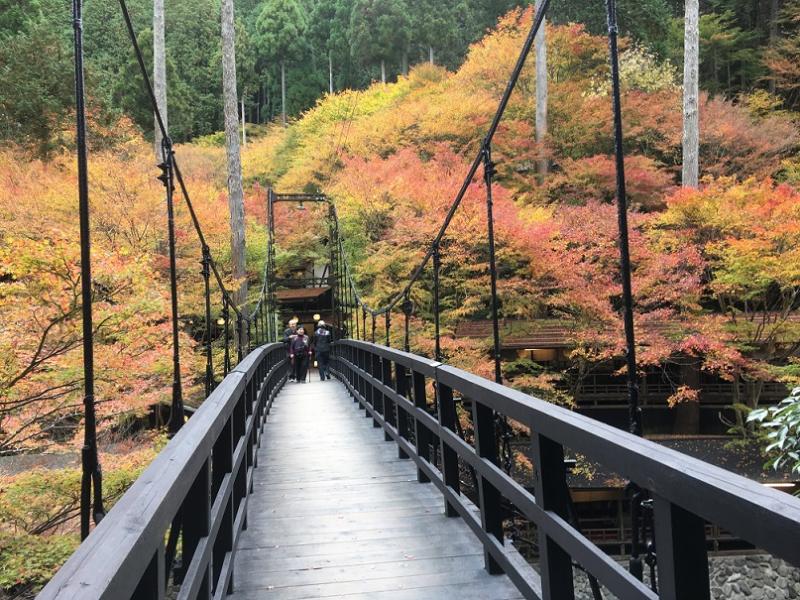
point(422, 435)
point(447, 420)
point(552, 494)
point(682, 555)
point(373, 328)
point(388, 328)
point(489, 498)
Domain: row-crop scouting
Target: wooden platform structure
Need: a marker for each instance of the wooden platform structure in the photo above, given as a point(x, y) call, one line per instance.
point(335, 513)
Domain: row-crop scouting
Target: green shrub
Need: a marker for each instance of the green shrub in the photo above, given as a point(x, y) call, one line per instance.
point(29, 561)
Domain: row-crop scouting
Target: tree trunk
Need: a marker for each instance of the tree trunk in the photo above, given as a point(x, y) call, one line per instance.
point(235, 191)
point(330, 73)
point(430, 54)
point(383, 71)
point(542, 165)
point(774, 12)
point(283, 94)
point(691, 93)
point(404, 63)
point(244, 123)
point(260, 101)
point(159, 72)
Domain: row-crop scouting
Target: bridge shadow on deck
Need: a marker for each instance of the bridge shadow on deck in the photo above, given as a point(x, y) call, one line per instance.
point(335, 514)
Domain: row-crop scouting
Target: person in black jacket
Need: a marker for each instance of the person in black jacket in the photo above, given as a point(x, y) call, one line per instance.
point(299, 350)
point(322, 349)
point(288, 337)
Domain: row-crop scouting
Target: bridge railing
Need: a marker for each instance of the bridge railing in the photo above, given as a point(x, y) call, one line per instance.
point(198, 485)
point(393, 387)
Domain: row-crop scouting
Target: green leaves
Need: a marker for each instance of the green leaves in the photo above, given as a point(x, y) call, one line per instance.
point(280, 31)
point(782, 423)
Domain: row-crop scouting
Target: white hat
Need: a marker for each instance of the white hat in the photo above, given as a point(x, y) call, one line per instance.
point(321, 323)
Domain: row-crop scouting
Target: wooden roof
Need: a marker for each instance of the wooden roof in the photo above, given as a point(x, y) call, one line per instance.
point(290, 295)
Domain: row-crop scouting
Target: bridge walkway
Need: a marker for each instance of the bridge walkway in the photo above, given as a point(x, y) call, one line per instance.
point(336, 514)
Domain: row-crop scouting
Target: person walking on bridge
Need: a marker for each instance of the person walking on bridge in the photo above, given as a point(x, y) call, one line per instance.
point(288, 337)
point(299, 351)
point(322, 349)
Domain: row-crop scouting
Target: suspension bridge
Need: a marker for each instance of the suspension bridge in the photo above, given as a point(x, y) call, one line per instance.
point(367, 486)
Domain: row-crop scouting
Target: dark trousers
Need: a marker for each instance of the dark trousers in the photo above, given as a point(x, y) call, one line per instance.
point(324, 359)
point(300, 366)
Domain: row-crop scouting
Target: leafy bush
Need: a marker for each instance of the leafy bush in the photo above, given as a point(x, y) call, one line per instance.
point(29, 561)
point(782, 423)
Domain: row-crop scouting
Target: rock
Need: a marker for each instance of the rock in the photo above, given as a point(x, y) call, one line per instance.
point(727, 589)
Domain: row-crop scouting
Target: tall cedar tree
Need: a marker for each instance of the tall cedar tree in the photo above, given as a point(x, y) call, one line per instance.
point(235, 192)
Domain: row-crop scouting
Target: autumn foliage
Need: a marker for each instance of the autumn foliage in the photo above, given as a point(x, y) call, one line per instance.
point(716, 271)
point(394, 155)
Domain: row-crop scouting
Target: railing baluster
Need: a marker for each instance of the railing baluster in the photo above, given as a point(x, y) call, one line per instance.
point(447, 419)
point(151, 585)
point(222, 461)
point(387, 404)
point(552, 495)
point(682, 555)
point(376, 398)
point(362, 364)
point(240, 476)
point(401, 387)
point(489, 498)
point(422, 435)
point(197, 508)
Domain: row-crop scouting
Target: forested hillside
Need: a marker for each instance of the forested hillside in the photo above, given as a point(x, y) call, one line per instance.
point(716, 272)
point(716, 264)
point(746, 44)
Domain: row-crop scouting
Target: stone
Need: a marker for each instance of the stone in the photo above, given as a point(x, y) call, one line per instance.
point(727, 589)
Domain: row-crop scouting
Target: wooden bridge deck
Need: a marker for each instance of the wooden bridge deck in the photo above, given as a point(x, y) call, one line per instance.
point(335, 514)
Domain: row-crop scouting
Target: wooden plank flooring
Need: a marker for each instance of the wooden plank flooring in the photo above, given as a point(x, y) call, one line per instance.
point(335, 514)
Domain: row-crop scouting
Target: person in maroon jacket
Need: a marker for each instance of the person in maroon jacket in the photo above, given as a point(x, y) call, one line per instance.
point(299, 351)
